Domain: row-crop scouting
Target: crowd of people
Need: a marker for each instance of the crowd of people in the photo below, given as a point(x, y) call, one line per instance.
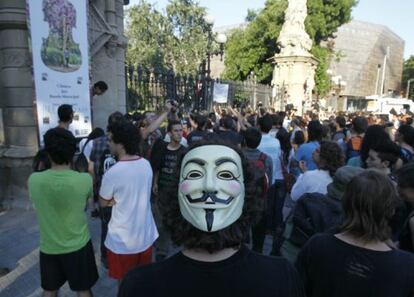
point(215, 185)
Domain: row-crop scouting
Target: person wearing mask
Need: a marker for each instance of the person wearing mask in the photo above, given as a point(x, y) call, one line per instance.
point(210, 219)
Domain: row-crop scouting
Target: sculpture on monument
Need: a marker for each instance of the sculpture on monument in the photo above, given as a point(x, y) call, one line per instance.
point(294, 65)
point(293, 38)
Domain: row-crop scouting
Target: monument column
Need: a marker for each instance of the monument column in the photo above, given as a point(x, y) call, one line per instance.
point(294, 65)
point(16, 100)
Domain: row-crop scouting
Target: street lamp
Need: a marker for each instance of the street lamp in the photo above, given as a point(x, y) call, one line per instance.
point(221, 39)
point(408, 87)
point(340, 85)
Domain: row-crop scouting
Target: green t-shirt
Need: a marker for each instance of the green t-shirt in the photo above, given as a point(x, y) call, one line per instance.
point(59, 199)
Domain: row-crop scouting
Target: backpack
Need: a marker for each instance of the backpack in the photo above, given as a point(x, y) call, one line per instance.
point(106, 161)
point(261, 180)
point(80, 162)
point(314, 213)
point(353, 147)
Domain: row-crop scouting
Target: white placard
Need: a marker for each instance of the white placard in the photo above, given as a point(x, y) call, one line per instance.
point(59, 45)
point(220, 93)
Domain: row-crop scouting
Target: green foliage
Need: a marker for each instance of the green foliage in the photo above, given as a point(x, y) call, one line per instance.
point(322, 80)
point(249, 49)
point(147, 31)
point(408, 73)
point(176, 39)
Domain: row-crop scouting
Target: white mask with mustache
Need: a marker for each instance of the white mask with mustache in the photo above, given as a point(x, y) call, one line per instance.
point(211, 190)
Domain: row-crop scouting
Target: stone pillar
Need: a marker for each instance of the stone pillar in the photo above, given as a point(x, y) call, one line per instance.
point(294, 73)
point(108, 58)
point(16, 100)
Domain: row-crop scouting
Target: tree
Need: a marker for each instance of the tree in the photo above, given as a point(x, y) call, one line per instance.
point(175, 40)
point(408, 73)
point(147, 31)
point(188, 45)
point(249, 49)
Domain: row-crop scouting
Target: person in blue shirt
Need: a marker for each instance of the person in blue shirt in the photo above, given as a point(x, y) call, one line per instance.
point(277, 191)
point(305, 152)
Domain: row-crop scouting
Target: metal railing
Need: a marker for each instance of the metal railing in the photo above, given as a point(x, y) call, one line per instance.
point(148, 90)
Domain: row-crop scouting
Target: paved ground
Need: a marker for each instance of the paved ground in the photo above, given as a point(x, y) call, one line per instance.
point(19, 252)
point(19, 236)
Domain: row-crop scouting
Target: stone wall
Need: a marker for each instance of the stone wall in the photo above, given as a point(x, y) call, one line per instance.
point(19, 136)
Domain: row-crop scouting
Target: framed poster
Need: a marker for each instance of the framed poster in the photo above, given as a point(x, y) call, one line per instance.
point(60, 50)
point(220, 93)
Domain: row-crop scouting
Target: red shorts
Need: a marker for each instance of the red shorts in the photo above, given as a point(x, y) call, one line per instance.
point(120, 264)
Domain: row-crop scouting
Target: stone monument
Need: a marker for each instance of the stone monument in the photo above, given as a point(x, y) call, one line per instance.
point(295, 66)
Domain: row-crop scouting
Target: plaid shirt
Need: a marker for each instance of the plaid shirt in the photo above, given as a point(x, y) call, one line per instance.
point(99, 146)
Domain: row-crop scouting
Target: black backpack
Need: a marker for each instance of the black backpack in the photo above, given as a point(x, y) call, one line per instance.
point(313, 213)
point(80, 162)
point(106, 161)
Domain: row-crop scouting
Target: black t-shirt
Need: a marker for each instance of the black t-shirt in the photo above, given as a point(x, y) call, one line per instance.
point(230, 136)
point(196, 135)
point(168, 168)
point(245, 274)
point(330, 267)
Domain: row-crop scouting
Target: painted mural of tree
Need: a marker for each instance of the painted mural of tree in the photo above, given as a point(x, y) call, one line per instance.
point(61, 17)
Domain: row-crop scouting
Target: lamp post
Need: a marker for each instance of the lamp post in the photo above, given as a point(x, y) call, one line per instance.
point(377, 82)
point(221, 39)
point(340, 85)
point(408, 87)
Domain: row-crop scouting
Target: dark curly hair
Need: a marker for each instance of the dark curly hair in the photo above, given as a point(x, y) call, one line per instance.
point(185, 234)
point(127, 134)
point(331, 157)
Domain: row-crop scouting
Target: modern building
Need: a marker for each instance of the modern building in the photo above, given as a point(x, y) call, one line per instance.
point(369, 59)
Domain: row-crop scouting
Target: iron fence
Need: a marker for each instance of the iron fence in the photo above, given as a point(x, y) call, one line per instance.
point(147, 90)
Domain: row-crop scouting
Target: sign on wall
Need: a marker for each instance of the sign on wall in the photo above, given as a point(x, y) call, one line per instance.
point(59, 45)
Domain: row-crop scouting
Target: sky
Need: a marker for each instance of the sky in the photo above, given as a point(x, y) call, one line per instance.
point(397, 15)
